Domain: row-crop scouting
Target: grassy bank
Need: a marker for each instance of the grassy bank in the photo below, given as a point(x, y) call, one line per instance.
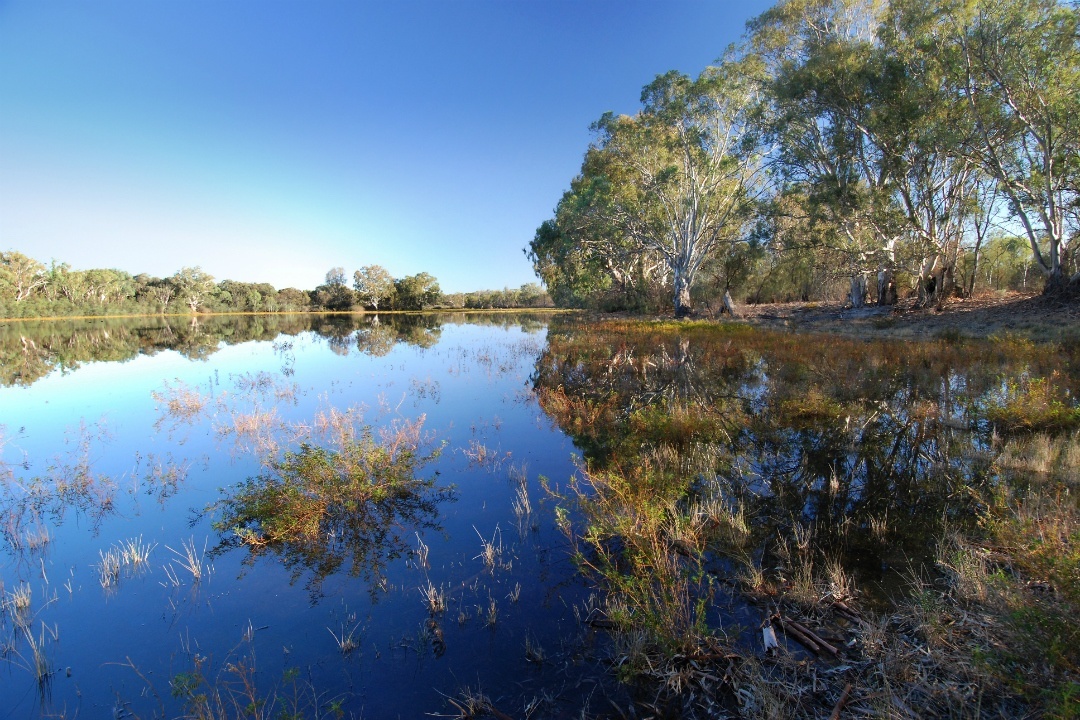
point(780, 528)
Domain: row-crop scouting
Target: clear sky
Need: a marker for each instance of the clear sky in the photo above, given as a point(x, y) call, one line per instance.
point(269, 140)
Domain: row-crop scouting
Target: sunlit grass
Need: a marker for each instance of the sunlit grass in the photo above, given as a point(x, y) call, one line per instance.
point(190, 559)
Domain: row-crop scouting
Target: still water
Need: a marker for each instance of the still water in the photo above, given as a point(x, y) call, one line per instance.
point(140, 569)
point(125, 436)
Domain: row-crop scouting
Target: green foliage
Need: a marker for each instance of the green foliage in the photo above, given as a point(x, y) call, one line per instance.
point(659, 193)
point(897, 134)
point(373, 286)
point(1033, 405)
point(416, 292)
point(318, 507)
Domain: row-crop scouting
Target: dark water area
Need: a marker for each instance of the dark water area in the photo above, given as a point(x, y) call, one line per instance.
point(143, 462)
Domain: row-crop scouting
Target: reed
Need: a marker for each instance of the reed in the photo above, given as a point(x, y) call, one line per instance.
point(346, 640)
point(491, 550)
point(434, 598)
point(190, 558)
point(135, 552)
point(421, 553)
point(18, 602)
point(109, 568)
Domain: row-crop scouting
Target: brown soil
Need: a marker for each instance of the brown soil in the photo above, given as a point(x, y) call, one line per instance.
point(1031, 316)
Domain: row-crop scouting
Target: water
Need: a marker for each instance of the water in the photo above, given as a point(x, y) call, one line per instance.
point(103, 445)
point(146, 432)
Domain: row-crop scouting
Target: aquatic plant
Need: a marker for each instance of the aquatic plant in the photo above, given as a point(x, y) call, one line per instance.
point(109, 568)
point(190, 558)
point(491, 550)
point(135, 552)
point(1033, 404)
point(434, 598)
point(805, 468)
point(235, 687)
point(320, 506)
point(346, 640)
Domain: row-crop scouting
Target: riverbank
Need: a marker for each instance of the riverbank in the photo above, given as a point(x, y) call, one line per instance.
point(1026, 315)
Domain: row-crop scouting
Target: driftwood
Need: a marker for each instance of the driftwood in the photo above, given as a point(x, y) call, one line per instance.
point(814, 637)
point(846, 609)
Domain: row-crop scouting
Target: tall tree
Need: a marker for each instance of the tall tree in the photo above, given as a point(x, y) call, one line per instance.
point(373, 285)
point(193, 286)
point(415, 292)
point(689, 166)
point(819, 67)
point(1015, 65)
point(20, 274)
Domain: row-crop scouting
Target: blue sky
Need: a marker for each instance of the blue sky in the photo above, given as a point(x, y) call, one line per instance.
point(271, 141)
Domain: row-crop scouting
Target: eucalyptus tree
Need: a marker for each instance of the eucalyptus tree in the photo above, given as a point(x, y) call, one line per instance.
point(1014, 65)
point(20, 275)
point(871, 139)
point(582, 257)
point(689, 166)
point(415, 292)
point(193, 286)
point(373, 284)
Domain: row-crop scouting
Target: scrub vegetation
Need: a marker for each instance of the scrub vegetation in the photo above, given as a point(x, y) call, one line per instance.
point(318, 508)
point(789, 525)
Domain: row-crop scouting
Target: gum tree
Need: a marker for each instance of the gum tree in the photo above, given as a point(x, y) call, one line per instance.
point(689, 165)
point(373, 284)
point(1015, 66)
point(193, 286)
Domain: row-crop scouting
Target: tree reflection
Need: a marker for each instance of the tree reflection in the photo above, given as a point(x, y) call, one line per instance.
point(864, 451)
point(30, 350)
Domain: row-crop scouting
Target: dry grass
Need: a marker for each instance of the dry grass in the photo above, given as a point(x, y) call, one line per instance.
point(346, 640)
point(491, 550)
point(190, 559)
point(434, 598)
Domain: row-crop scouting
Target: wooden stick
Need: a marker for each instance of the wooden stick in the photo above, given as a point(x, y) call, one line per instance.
point(794, 632)
point(813, 636)
point(840, 703)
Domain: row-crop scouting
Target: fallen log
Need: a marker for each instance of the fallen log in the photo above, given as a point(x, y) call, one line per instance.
point(792, 631)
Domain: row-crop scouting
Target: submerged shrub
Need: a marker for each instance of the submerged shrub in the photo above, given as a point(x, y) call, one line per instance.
point(318, 506)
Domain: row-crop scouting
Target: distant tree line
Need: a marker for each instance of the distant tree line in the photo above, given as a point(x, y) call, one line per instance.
point(29, 288)
point(845, 148)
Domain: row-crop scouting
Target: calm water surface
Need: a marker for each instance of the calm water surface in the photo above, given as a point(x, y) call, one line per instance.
point(103, 445)
point(122, 434)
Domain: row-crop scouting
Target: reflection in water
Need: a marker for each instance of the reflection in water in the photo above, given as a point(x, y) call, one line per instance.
point(327, 497)
point(30, 350)
point(789, 485)
point(319, 507)
point(863, 452)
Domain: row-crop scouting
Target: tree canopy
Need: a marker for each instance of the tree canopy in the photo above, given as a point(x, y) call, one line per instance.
point(878, 142)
